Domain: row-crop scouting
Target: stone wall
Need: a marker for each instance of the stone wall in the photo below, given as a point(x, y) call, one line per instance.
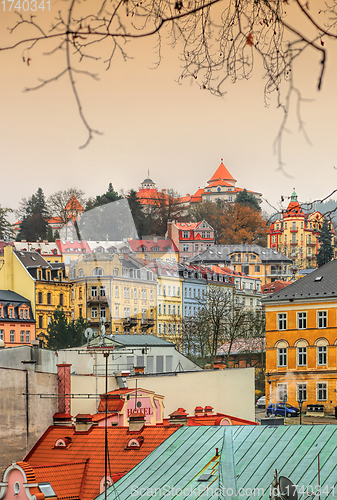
point(24, 416)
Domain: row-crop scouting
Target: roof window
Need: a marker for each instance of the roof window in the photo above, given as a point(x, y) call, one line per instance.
point(318, 278)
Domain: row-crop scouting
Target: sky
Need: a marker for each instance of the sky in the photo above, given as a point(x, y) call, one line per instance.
point(150, 123)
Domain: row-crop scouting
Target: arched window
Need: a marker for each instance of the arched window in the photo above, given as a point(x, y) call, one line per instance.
point(80, 273)
point(98, 271)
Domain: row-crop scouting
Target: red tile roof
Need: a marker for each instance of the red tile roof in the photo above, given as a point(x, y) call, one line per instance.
point(67, 480)
point(89, 446)
point(275, 286)
point(164, 245)
point(196, 197)
point(73, 246)
point(114, 405)
point(222, 174)
point(74, 204)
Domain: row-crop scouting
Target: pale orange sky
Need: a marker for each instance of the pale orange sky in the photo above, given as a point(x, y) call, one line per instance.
point(178, 132)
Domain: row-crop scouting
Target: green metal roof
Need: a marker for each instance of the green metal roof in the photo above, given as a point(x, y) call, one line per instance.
point(243, 469)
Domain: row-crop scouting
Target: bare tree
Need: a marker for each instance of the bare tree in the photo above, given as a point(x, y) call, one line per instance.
point(218, 41)
point(58, 202)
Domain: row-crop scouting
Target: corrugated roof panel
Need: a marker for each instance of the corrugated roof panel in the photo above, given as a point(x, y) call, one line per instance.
point(248, 457)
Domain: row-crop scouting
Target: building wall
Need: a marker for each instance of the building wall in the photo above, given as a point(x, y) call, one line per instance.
point(45, 310)
point(251, 264)
point(14, 276)
point(168, 321)
point(122, 294)
point(218, 388)
point(24, 418)
point(292, 339)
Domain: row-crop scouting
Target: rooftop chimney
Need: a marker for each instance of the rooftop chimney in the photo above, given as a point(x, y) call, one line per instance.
point(136, 421)
point(83, 422)
point(198, 411)
point(64, 387)
point(208, 410)
point(62, 419)
point(179, 417)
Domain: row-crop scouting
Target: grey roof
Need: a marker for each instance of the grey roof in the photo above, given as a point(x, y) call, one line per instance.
point(9, 296)
point(233, 462)
point(321, 283)
point(221, 253)
point(141, 340)
point(31, 259)
point(132, 341)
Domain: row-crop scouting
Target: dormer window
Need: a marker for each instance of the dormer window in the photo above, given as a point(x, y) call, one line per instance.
point(134, 443)
point(11, 312)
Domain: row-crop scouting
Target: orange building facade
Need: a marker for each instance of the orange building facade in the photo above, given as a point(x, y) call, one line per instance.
point(17, 325)
point(301, 341)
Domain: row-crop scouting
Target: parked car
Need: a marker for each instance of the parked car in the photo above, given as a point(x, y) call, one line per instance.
point(261, 402)
point(283, 410)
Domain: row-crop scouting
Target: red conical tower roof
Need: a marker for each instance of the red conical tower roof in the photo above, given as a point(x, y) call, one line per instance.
point(222, 174)
point(74, 204)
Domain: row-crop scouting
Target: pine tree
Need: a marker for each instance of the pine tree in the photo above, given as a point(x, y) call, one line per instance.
point(326, 251)
point(34, 215)
point(248, 199)
point(50, 236)
point(6, 232)
point(137, 212)
point(108, 197)
point(63, 334)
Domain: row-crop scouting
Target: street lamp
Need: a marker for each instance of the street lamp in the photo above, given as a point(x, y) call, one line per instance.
point(300, 404)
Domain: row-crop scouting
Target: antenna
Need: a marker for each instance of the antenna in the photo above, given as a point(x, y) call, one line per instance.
point(88, 334)
point(288, 490)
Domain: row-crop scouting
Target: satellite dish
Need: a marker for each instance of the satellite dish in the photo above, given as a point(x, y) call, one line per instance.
point(288, 490)
point(88, 333)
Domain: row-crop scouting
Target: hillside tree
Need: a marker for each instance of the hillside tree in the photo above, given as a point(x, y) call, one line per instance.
point(326, 251)
point(58, 201)
point(6, 231)
point(34, 215)
point(108, 197)
point(248, 200)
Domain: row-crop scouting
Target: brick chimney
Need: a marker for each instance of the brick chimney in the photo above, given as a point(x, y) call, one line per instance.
point(179, 417)
point(64, 387)
point(136, 421)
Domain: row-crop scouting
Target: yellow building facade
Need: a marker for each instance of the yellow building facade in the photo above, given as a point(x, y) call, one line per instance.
point(169, 306)
point(45, 285)
point(114, 290)
point(295, 235)
point(301, 341)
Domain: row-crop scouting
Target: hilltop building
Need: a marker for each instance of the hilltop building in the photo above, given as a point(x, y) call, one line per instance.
point(295, 234)
point(221, 185)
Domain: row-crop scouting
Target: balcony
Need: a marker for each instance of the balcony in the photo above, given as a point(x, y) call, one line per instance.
point(97, 299)
point(293, 230)
point(147, 323)
point(293, 242)
point(129, 322)
point(311, 243)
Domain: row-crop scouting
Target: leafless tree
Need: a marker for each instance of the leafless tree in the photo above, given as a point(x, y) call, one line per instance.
point(218, 320)
point(58, 201)
point(218, 41)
